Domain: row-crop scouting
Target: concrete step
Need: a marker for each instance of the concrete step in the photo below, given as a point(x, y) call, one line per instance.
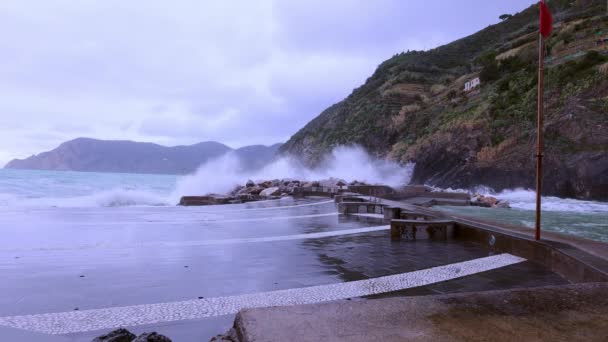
point(559, 313)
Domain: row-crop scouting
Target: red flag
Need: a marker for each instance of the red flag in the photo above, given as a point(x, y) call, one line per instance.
point(546, 21)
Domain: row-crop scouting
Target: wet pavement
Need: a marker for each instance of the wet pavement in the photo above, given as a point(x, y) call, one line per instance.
point(65, 259)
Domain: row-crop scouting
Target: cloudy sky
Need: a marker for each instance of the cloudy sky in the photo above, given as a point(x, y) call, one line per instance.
point(184, 71)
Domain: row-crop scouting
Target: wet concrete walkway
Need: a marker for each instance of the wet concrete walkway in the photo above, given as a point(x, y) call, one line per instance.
point(567, 313)
point(125, 264)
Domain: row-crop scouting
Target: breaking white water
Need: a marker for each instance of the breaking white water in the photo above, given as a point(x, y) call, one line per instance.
point(588, 219)
point(44, 189)
point(347, 163)
point(90, 189)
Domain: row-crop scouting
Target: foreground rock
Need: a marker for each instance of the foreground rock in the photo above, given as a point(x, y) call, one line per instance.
point(124, 335)
point(273, 191)
point(118, 335)
point(489, 202)
point(152, 337)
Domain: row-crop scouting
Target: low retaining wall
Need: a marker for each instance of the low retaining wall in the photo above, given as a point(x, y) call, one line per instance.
point(360, 208)
point(383, 191)
point(413, 230)
point(348, 198)
point(573, 264)
point(397, 213)
point(203, 200)
point(319, 191)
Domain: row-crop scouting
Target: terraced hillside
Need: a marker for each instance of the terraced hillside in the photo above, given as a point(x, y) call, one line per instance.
point(414, 107)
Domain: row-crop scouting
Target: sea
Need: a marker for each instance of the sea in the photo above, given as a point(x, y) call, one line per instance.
point(23, 192)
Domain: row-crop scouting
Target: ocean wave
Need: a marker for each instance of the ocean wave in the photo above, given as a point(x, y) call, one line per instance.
point(350, 163)
point(111, 198)
point(526, 200)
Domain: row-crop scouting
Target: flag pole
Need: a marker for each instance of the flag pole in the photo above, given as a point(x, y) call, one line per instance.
point(539, 140)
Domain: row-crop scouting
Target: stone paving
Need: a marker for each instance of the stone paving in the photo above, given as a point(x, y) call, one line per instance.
point(77, 321)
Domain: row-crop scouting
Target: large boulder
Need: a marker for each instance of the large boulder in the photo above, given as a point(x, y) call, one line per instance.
point(272, 191)
point(484, 201)
point(266, 184)
point(237, 190)
point(489, 202)
point(255, 190)
point(247, 197)
point(118, 335)
point(250, 184)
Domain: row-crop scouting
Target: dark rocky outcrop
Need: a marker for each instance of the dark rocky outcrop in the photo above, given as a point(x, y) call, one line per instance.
point(152, 337)
point(124, 335)
point(84, 154)
point(118, 335)
point(414, 108)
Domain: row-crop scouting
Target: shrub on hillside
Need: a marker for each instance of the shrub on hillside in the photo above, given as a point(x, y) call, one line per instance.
point(490, 72)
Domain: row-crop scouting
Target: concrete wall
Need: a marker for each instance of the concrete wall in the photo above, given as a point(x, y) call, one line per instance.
point(574, 265)
point(360, 208)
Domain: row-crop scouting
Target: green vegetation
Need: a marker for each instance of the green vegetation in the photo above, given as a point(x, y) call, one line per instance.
point(504, 107)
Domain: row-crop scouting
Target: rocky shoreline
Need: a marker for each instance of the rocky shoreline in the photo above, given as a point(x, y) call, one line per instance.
point(124, 335)
point(278, 188)
point(267, 189)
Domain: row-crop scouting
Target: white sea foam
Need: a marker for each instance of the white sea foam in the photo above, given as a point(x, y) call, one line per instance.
point(111, 198)
point(526, 200)
point(79, 189)
point(349, 163)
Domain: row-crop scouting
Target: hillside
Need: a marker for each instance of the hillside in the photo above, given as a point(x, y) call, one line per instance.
point(414, 108)
point(84, 154)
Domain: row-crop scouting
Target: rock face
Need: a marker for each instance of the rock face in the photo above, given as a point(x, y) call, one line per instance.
point(272, 191)
point(124, 335)
point(414, 109)
point(152, 337)
point(118, 335)
point(489, 202)
point(84, 154)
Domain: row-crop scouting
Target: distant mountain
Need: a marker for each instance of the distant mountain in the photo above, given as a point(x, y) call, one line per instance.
point(85, 154)
point(256, 156)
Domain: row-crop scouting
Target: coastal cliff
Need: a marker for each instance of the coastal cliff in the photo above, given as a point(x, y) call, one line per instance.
point(417, 107)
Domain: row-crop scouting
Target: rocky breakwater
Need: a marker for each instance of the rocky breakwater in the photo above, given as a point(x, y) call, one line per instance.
point(270, 189)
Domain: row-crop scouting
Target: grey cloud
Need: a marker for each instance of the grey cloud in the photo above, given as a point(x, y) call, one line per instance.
point(240, 72)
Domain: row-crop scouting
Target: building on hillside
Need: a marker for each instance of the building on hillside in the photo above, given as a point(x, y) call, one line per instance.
point(472, 84)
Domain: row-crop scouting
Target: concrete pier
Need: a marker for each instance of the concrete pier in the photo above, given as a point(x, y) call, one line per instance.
point(564, 313)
